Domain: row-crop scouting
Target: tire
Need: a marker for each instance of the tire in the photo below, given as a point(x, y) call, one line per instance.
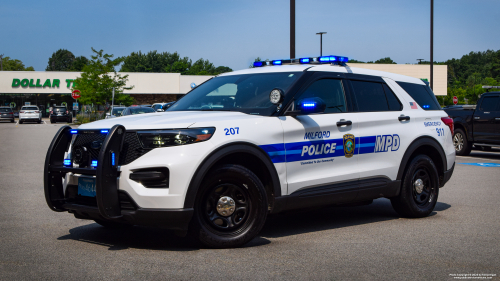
point(20, 121)
point(112, 224)
point(226, 185)
point(39, 121)
point(12, 121)
point(52, 121)
point(462, 145)
point(410, 203)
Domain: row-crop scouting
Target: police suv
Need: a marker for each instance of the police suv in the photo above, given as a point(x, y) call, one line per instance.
point(286, 134)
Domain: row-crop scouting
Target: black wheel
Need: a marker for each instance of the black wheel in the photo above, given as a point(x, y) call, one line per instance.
point(462, 145)
point(12, 121)
point(20, 121)
point(230, 208)
point(39, 121)
point(112, 224)
point(419, 189)
point(52, 121)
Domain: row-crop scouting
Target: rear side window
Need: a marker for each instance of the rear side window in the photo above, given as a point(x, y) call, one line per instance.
point(489, 104)
point(422, 95)
point(371, 96)
point(5, 110)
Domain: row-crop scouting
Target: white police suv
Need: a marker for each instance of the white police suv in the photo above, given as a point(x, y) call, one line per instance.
point(287, 134)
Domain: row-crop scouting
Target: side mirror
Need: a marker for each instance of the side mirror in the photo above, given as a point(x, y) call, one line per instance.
point(160, 110)
point(108, 114)
point(308, 106)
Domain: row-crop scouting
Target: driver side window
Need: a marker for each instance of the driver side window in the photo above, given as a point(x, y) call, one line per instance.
point(330, 91)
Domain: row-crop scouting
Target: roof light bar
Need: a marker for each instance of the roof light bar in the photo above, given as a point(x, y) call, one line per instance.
point(337, 60)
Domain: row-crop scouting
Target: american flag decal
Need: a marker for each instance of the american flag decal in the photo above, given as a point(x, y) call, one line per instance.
point(413, 105)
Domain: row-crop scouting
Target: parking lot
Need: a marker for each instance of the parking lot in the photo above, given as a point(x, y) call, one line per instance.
point(343, 243)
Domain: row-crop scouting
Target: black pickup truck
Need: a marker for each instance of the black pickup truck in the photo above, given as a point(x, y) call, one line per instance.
point(476, 125)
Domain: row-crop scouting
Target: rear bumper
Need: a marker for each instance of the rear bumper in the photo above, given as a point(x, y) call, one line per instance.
point(6, 118)
point(63, 117)
point(447, 175)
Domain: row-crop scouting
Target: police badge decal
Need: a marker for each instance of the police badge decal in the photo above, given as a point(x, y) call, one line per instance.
point(349, 145)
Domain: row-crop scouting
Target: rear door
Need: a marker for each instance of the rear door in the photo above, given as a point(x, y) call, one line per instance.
point(381, 131)
point(318, 158)
point(486, 127)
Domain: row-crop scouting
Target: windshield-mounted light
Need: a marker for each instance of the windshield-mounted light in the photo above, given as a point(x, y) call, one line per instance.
point(165, 138)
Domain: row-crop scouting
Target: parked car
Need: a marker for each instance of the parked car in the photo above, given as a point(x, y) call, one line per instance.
point(133, 110)
point(59, 113)
point(117, 112)
point(158, 106)
point(476, 125)
point(30, 113)
point(168, 105)
point(6, 113)
point(16, 114)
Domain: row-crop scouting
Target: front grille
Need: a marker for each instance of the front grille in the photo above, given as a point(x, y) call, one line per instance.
point(132, 148)
point(126, 202)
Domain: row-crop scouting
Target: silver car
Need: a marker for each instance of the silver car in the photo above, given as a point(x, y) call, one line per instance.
point(30, 113)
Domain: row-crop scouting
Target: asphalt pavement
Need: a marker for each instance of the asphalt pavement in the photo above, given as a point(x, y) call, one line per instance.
point(462, 235)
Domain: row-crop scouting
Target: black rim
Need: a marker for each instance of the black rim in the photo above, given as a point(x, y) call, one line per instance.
point(229, 223)
point(426, 195)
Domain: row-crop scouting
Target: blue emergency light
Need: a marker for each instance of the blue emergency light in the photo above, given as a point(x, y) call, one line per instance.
point(308, 105)
point(94, 163)
point(74, 131)
point(104, 131)
point(425, 106)
point(67, 162)
point(112, 159)
point(338, 60)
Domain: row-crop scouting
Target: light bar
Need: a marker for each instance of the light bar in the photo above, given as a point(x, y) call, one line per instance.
point(74, 131)
point(258, 64)
point(94, 163)
point(337, 60)
point(277, 62)
point(67, 162)
point(308, 104)
point(112, 159)
point(104, 131)
point(425, 106)
point(305, 60)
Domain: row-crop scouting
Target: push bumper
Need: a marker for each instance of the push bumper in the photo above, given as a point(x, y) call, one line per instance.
point(108, 204)
point(447, 175)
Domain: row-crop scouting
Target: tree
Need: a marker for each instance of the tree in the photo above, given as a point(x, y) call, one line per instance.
point(98, 79)
point(170, 63)
point(62, 60)
point(386, 60)
point(79, 63)
point(9, 64)
point(355, 61)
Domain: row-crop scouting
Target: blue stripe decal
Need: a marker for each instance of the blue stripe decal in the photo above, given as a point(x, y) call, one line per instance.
point(325, 148)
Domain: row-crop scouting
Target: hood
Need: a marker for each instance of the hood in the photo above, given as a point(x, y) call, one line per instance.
point(167, 120)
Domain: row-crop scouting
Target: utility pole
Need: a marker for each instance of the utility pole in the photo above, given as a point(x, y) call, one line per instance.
point(292, 29)
point(432, 44)
point(320, 42)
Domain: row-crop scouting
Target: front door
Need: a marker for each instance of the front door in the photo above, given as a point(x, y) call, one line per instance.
point(487, 120)
point(320, 147)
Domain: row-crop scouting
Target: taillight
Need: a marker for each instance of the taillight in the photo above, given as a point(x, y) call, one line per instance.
point(448, 122)
point(21, 111)
point(36, 111)
point(66, 112)
point(51, 112)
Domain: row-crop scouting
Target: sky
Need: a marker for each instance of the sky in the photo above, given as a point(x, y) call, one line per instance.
point(234, 32)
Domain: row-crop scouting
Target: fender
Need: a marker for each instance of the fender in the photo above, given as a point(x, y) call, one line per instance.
point(419, 142)
point(222, 152)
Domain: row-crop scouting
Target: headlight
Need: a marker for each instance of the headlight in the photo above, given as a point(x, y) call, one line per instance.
point(164, 138)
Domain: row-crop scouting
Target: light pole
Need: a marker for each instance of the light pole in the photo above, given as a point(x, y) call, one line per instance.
point(320, 42)
point(292, 29)
point(432, 44)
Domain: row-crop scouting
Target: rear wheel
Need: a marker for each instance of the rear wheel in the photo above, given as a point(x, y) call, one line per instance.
point(419, 190)
point(20, 121)
point(39, 121)
point(230, 209)
point(52, 121)
point(12, 121)
point(462, 145)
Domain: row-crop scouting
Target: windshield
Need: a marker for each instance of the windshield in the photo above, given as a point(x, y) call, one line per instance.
point(247, 93)
point(140, 110)
point(117, 111)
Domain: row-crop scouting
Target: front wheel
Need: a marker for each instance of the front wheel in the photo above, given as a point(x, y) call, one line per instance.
point(419, 189)
point(462, 145)
point(230, 209)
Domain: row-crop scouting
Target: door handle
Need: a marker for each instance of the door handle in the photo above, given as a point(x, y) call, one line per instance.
point(403, 118)
point(477, 117)
point(344, 122)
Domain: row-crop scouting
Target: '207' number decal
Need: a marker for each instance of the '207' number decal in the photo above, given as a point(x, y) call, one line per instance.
point(232, 131)
point(440, 132)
